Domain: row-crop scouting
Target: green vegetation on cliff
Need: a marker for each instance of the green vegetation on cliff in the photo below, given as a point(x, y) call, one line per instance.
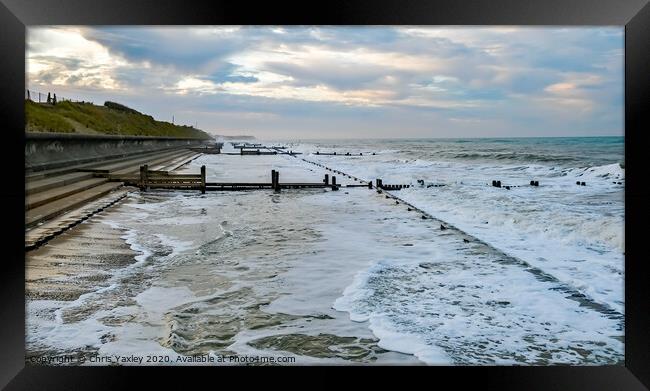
point(112, 118)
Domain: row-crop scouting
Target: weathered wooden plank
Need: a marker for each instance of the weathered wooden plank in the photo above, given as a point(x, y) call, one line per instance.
point(239, 183)
point(203, 179)
point(174, 178)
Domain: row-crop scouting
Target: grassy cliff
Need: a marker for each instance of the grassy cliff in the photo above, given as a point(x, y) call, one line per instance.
point(112, 118)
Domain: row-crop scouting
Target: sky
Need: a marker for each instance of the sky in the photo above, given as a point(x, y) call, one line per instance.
point(294, 82)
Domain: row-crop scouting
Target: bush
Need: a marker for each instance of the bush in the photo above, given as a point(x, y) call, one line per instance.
point(117, 106)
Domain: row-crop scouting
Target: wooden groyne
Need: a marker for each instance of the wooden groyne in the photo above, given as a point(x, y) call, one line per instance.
point(255, 151)
point(53, 192)
point(207, 149)
point(343, 154)
point(269, 151)
point(381, 185)
point(261, 150)
point(246, 145)
point(60, 198)
point(380, 188)
point(152, 179)
point(368, 184)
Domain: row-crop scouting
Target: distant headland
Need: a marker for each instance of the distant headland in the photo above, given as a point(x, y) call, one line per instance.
point(222, 137)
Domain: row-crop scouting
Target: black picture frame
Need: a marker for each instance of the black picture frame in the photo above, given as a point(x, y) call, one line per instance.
point(15, 15)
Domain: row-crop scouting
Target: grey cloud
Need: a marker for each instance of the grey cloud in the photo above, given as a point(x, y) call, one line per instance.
point(505, 72)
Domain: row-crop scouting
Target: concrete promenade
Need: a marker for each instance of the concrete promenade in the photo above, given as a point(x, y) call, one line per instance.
point(70, 177)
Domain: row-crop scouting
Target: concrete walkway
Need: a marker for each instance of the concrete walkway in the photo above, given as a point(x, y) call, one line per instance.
point(56, 200)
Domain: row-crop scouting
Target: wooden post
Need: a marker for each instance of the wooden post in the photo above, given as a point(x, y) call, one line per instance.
point(202, 179)
point(370, 185)
point(146, 177)
point(327, 179)
point(272, 179)
point(143, 177)
point(379, 184)
point(277, 181)
point(241, 150)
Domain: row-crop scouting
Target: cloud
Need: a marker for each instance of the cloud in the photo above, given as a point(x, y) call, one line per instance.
point(58, 56)
point(424, 81)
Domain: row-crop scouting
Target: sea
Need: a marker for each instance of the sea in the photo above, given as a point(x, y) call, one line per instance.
point(519, 274)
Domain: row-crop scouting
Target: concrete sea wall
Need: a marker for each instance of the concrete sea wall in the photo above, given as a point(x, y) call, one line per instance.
point(44, 151)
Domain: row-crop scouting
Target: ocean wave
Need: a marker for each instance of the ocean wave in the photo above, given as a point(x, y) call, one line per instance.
point(607, 171)
point(508, 156)
point(442, 314)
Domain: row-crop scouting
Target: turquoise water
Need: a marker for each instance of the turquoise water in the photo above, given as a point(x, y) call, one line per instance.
point(561, 151)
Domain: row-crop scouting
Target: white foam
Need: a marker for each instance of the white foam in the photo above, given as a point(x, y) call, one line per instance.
point(407, 343)
point(433, 312)
point(573, 232)
point(157, 300)
point(178, 246)
point(443, 314)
